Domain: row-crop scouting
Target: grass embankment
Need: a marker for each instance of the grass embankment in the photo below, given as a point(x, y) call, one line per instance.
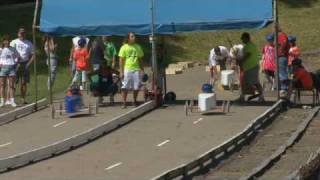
point(299, 18)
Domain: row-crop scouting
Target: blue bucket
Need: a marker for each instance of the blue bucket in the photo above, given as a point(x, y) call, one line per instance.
point(72, 103)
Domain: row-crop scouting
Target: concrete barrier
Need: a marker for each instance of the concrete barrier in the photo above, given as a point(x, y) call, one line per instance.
point(44, 152)
point(22, 111)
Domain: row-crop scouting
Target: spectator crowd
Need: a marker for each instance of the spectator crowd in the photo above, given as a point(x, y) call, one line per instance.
point(90, 60)
point(249, 62)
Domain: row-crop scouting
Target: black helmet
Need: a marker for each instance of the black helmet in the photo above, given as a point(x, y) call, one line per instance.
point(82, 42)
point(145, 78)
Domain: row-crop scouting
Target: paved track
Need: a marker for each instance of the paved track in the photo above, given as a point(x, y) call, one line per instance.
point(150, 145)
point(39, 129)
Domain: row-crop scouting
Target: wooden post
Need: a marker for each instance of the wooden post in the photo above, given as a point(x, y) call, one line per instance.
point(276, 32)
point(34, 27)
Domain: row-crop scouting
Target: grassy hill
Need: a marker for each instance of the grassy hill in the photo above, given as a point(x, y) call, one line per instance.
point(297, 17)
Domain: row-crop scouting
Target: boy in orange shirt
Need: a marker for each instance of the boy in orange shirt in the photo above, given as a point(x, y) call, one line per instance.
point(81, 57)
point(294, 53)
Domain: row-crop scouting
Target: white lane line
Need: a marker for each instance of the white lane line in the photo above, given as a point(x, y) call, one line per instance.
point(163, 143)
point(6, 144)
point(59, 124)
point(113, 166)
point(197, 121)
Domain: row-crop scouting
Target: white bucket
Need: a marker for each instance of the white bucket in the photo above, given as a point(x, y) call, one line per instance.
point(206, 101)
point(227, 77)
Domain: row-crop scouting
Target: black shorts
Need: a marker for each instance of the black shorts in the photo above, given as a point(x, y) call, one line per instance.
point(268, 73)
point(23, 73)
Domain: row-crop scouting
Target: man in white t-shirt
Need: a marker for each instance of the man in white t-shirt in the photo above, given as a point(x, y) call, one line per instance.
point(218, 56)
point(75, 45)
point(26, 51)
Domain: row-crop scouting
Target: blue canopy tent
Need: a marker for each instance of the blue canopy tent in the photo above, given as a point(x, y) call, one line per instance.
point(106, 17)
point(151, 17)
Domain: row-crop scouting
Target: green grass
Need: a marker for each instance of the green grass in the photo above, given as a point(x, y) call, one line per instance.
point(300, 18)
point(297, 17)
point(22, 16)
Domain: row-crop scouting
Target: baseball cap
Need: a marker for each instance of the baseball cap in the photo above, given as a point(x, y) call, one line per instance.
point(270, 37)
point(292, 38)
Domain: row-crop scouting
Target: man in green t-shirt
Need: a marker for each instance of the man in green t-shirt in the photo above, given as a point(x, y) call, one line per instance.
point(130, 67)
point(250, 67)
point(110, 52)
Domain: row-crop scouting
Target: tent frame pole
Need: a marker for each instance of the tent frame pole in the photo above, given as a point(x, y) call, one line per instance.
point(155, 83)
point(276, 30)
point(49, 68)
point(34, 27)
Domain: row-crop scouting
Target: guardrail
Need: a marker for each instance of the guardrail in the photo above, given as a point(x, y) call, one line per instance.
point(22, 111)
point(213, 155)
point(45, 152)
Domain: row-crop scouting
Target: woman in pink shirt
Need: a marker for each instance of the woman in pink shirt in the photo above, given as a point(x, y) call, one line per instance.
point(268, 60)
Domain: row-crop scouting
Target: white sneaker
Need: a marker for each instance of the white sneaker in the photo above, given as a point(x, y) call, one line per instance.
point(13, 104)
point(8, 102)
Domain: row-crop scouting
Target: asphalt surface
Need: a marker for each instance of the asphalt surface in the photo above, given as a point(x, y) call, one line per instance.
point(39, 129)
point(152, 144)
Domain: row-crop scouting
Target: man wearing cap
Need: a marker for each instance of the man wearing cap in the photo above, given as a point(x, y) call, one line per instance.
point(283, 53)
point(26, 51)
point(218, 56)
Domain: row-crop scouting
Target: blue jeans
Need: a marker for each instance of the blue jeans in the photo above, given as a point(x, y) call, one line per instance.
point(283, 73)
